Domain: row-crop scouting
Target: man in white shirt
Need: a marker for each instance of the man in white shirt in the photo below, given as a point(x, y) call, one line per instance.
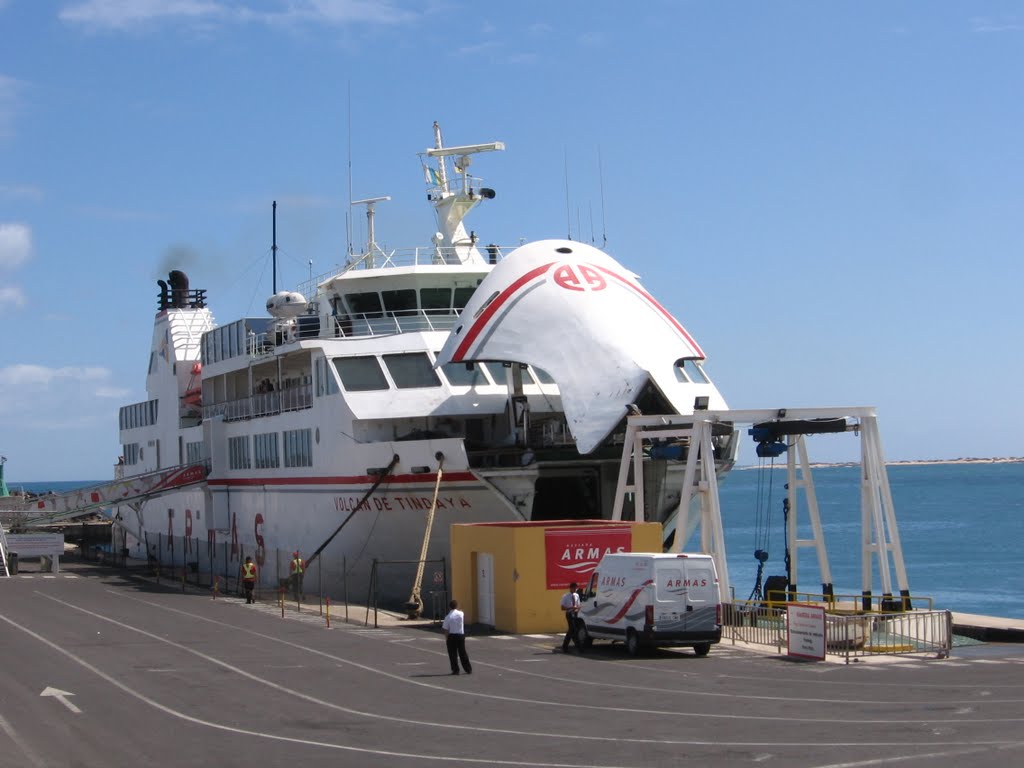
point(454, 626)
point(571, 606)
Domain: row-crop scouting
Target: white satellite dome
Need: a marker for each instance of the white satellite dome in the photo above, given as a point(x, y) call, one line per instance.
point(286, 304)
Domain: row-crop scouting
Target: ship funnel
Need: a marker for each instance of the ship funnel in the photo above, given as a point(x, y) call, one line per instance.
point(179, 289)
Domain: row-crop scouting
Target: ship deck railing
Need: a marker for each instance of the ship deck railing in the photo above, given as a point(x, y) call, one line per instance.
point(262, 404)
point(353, 326)
point(421, 256)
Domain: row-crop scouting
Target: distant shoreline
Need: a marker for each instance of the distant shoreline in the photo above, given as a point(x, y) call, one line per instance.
point(911, 462)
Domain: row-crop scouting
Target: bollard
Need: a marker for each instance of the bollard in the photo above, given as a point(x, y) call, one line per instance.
point(328, 613)
point(216, 586)
point(281, 600)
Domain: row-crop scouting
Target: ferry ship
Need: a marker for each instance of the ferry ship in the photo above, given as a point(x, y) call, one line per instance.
point(410, 390)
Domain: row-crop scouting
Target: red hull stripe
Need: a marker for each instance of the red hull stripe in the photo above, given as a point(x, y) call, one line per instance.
point(651, 300)
point(449, 477)
point(632, 599)
point(501, 299)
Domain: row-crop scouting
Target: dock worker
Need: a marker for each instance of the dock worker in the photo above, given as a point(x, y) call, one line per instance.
point(570, 604)
point(454, 626)
point(249, 579)
point(298, 571)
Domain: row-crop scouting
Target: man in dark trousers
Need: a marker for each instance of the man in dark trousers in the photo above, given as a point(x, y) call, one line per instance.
point(571, 606)
point(454, 626)
point(249, 579)
point(298, 573)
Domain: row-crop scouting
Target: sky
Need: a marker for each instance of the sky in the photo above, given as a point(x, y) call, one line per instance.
point(829, 196)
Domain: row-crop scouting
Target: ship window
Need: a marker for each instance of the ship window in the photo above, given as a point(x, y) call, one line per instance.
point(400, 303)
point(265, 450)
point(193, 452)
point(463, 375)
point(238, 452)
point(462, 296)
point(364, 305)
point(688, 369)
point(131, 453)
point(436, 301)
point(412, 370)
point(360, 374)
point(542, 376)
point(298, 448)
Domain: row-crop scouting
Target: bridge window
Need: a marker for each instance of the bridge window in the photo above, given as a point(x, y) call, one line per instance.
point(462, 297)
point(238, 452)
point(465, 375)
point(364, 305)
point(360, 374)
point(400, 303)
point(412, 370)
point(436, 301)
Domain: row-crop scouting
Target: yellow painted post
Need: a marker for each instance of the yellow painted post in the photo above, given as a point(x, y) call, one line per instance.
point(216, 586)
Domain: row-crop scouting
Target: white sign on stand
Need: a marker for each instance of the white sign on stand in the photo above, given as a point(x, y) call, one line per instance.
point(49, 546)
point(805, 636)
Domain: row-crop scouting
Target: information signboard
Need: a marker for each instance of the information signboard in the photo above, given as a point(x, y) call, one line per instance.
point(805, 631)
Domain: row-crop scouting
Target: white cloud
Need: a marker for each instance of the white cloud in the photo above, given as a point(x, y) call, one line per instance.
point(12, 295)
point(21, 191)
point(15, 244)
point(118, 393)
point(9, 88)
point(24, 374)
point(122, 15)
point(986, 24)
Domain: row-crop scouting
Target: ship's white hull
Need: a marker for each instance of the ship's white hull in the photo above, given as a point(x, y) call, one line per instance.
point(270, 523)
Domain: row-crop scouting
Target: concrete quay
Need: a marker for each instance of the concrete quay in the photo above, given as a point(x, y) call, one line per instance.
point(104, 668)
point(988, 629)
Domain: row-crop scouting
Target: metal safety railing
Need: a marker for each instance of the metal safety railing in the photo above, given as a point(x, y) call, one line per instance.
point(849, 634)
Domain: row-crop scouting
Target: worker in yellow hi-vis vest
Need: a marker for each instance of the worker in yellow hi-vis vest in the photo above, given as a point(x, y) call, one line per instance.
point(249, 579)
point(298, 571)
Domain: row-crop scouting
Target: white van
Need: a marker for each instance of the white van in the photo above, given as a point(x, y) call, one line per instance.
point(652, 599)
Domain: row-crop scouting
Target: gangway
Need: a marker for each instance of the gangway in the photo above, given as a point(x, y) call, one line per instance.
point(879, 534)
point(129, 490)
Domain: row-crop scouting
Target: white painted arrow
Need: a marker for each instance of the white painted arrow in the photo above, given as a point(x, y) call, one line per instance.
point(61, 696)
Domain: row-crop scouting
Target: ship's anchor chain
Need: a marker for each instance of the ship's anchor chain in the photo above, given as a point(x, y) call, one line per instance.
point(415, 604)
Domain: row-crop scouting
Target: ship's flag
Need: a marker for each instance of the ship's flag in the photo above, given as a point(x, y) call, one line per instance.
point(430, 175)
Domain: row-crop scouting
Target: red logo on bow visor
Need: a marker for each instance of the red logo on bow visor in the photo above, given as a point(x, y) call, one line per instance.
point(579, 277)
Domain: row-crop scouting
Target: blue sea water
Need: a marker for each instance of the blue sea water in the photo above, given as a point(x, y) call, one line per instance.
point(961, 527)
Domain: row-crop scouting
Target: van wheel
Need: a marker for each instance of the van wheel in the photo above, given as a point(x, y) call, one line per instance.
point(583, 638)
point(702, 649)
point(632, 642)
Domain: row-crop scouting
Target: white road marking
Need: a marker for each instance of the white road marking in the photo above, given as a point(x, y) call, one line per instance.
point(545, 702)
point(62, 697)
point(26, 750)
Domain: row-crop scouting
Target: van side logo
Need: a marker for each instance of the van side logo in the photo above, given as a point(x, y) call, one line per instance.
point(579, 277)
point(675, 583)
